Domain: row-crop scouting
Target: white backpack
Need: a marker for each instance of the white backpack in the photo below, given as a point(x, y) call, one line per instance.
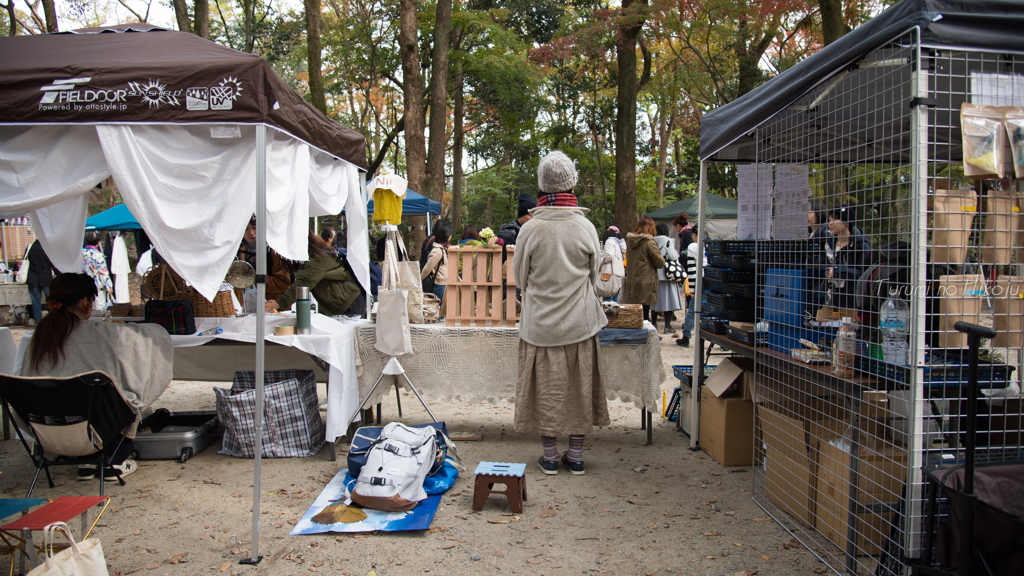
point(396, 466)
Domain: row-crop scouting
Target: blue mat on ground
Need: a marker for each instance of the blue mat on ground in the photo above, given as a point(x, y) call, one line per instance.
point(617, 336)
point(329, 513)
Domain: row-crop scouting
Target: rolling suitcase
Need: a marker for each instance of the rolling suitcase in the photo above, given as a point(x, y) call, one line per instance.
point(166, 435)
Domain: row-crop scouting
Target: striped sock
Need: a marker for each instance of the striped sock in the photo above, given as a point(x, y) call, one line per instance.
point(576, 447)
point(550, 444)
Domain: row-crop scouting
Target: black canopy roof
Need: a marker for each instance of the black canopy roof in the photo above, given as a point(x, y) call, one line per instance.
point(989, 25)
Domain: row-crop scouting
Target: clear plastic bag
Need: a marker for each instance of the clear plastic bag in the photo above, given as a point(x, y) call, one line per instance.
point(1014, 120)
point(982, 128)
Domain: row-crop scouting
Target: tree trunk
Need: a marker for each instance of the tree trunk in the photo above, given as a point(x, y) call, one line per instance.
point(439, 102)
point(664, 129)
point(313, 65)
point(625, 125)
point(412, 85)
point(181, 15)
point(50, 13)
point(457, 152)
point(832, 25)
point(12, 30)
point(202, 16)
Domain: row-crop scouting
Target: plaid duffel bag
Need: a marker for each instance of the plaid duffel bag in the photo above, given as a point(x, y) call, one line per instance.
point(292, 426)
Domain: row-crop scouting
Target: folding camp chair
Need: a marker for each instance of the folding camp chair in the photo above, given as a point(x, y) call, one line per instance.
point(63, 509)
point(77, 420)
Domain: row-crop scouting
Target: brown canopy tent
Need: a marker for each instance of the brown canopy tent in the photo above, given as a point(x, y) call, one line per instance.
point(198, 138)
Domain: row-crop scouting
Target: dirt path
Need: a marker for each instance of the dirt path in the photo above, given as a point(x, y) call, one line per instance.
point(642, 510)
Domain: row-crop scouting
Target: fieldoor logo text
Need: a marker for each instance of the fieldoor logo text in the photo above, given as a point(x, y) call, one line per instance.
point(73, 94)
point(66, 95)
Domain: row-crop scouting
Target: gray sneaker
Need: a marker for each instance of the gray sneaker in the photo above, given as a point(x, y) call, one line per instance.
point(549, 467)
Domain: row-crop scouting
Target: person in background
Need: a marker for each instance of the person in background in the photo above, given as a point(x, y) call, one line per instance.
point(333, 286)
point(615, 247)
point(40, 273)
point(643, 260)
point(509, 231)
point(327, 234)
point(850, 246)
point(817, 220)
point(95, 265)
point(278, 276)
point(668, 290)
point(684, 235)
point(436, 260)
point(137, 357)
point(559, 390)
point(469, 233)
point(693, 261)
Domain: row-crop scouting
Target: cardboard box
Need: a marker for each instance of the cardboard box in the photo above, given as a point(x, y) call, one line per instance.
point(727, 428)
point(732, 377)
point(1006, 421)
point(790, 486)
point(832, 521)
point(794, 429)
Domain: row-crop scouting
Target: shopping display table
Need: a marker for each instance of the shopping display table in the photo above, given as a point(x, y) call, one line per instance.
point(481, 365)
point(14, 295)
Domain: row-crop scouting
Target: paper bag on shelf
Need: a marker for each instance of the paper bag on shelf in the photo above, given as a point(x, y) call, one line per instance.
point(959, 301)
point(953, 216)
point(1008, 312)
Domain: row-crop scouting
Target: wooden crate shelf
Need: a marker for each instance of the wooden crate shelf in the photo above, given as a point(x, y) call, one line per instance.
point(481, 297)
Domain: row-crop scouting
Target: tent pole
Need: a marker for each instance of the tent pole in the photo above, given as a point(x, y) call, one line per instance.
point(261, 296)
point(3, 230)
point(698, 352)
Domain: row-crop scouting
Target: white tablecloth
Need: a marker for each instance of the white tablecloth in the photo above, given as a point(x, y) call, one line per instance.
point(14, 295)
point(481, 364)
point(331, 341)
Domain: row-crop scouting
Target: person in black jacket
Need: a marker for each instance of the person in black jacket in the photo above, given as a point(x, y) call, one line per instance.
point(40, 272)
point(509, 231)
point(849, 248)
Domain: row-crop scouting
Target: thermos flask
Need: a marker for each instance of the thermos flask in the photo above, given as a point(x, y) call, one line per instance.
point(302, 310)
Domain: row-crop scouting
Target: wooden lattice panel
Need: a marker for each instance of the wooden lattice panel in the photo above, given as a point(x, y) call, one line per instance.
point(481, 297)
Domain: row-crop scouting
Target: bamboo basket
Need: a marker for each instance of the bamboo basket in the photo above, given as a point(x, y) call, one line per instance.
point(162, 282)
point(220, 307)
point(625, 316)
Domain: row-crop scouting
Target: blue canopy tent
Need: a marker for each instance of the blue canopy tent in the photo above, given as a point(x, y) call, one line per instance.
point(116, 218)
point(413, 205)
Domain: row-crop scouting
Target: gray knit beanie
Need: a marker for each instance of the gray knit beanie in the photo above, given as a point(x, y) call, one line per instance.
point(556, 173)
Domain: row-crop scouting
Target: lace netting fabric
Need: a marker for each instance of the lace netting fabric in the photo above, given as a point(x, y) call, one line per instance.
point(475, 365)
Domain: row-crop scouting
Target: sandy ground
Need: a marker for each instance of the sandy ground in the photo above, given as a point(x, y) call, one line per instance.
point(644, 510)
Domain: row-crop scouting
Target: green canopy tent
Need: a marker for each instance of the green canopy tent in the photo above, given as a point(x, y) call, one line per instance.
point(720, 219)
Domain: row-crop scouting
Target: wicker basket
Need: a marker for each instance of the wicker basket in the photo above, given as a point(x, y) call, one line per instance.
point(219, 308)
point(625, 316)
point(154, 279)
point(121, 309)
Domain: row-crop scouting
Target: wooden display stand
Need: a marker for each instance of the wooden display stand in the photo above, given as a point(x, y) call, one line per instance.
point(486, 292)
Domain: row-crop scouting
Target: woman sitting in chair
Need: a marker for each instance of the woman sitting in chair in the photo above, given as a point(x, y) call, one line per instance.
point(137, 357)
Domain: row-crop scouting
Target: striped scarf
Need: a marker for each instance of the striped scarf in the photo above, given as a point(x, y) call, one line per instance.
point(559, 199)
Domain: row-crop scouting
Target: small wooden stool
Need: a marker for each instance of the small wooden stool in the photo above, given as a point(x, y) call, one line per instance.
point(511, 475)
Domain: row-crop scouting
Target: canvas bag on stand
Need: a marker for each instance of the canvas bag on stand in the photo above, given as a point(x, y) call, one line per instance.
point(83, 558)
point(953, 216)
point(1002, 225)
point(959, 301)
point(409, 280)
point(1008, 312)
point(392, 308)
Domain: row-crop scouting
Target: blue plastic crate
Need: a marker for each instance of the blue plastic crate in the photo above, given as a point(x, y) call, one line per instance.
point(685, 374)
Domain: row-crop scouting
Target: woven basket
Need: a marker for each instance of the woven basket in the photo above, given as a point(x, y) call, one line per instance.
point(121, 309)
point(153, 279)
point(219, 308)
point(625, 316)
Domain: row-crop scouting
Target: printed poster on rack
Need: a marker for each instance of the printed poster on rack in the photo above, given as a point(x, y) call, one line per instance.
point(754, 206)
point(792, 192)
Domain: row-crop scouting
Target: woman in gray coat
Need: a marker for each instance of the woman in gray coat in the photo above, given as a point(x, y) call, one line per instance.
point(559, 391)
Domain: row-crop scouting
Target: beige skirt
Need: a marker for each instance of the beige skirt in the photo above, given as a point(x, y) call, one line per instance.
point(559, 391)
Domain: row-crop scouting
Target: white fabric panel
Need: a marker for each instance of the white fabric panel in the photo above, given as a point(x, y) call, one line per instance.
point(328, 184)
point(193, 194)
point(355, 223)
point(287, 196)
point(120, 268)
point(43, 165)
point(721, 229)
point(60, 229)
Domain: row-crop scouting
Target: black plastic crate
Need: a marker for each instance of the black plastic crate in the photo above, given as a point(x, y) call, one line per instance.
point(947, 369)
point(734, 261)
point(728, 301)
point(730, 246)
point(742, 290)
point(714, 324)
point(792, 246)
point(749, 337)
point(729, 313)
point(729, 275)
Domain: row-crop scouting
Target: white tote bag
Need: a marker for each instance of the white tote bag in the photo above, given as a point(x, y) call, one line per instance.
point(392, 308)
point(409, 280)
point(81, 559)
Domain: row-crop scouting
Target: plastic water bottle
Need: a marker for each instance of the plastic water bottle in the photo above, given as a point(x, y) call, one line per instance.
point(894, 323)
point(844, 348)
point(761, 330)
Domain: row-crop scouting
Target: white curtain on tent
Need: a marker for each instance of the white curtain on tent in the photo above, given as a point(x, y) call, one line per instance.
point(191, 187)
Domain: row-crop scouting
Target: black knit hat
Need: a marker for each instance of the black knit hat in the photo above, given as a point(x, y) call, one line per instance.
point(526, 203)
